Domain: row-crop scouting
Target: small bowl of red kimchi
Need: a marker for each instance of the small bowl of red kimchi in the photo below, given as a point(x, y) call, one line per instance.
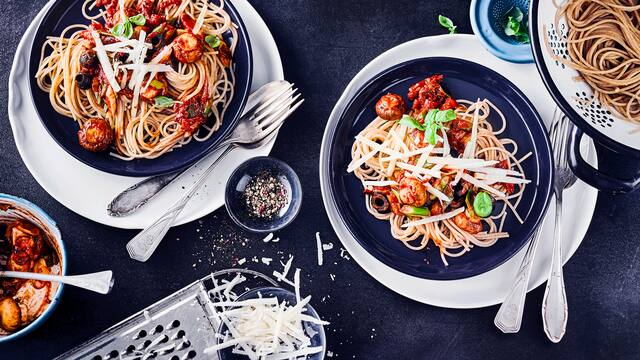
point(29, 242)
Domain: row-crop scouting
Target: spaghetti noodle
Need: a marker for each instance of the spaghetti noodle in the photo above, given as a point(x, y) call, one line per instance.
point(603, 42)
point(436, 173)
point(150, 76)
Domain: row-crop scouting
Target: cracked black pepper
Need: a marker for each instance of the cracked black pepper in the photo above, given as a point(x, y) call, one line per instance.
point(265, 196)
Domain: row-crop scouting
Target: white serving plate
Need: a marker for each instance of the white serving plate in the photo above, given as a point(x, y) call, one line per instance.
point(491, 287)
point(87, 191)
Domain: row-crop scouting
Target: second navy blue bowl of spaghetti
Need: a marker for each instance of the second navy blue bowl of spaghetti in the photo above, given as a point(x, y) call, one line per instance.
point(463, 80)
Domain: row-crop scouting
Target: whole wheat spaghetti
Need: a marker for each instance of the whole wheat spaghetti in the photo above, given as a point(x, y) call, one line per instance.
point(603, 42)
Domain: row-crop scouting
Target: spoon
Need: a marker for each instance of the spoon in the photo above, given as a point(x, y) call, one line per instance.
point(100, 282)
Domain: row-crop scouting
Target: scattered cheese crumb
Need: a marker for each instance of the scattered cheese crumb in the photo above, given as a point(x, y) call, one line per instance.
point(328, 246)
point(319, 246)
point(333, 277)
point(268, 238)
point(266, 261)
point(283, 275)
point(242, 261)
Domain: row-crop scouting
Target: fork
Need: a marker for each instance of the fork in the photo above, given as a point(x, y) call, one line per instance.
point(554, 304)
point(253, 130)
point(136, 196)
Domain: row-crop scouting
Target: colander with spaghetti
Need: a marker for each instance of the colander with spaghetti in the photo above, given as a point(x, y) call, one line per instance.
point(588, 54)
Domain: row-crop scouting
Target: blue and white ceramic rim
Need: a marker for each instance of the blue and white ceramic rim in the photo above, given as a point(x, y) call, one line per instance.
point(52, 228)
point(479, 13)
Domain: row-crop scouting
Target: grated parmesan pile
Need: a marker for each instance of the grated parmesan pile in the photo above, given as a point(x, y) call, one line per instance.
point(262, 328)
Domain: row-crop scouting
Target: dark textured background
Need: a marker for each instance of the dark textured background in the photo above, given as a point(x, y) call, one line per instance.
point(323, 45)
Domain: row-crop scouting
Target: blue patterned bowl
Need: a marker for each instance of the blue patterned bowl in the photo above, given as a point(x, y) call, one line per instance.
point(24, 209)
point(486, 21)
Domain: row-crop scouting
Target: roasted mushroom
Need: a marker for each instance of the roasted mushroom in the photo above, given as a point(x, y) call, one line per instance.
point(96, 135)
point(412, 192)
point(391, 107)
point(187, 48)
point(468, 223)
point(10, 315)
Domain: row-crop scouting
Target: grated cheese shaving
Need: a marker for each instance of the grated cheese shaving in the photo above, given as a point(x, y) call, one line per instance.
point(262, 328)
point(484, 185)
point(319, 248)
point(104, 62)
point(200, 21)
point(268, 238)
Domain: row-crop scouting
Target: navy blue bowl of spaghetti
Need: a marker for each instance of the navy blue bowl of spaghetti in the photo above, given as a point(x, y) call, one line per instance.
point(263, 195)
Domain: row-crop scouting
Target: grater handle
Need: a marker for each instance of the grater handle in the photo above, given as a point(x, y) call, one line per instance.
point(142, 246)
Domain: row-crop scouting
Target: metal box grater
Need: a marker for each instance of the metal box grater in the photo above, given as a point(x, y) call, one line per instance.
point(178, 327)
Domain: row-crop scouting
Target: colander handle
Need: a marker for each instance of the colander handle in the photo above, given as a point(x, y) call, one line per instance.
point(592, 176)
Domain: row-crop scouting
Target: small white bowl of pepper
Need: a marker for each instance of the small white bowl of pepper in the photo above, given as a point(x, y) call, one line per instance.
point(263, 194)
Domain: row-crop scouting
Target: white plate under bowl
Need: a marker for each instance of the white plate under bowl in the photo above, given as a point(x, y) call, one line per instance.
point(491, 287)
point(87, 191)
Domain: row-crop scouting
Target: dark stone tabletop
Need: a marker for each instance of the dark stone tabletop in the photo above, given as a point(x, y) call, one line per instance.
point(323, 45)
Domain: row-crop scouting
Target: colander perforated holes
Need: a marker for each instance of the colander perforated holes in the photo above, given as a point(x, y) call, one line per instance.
point(558, 43)
point(592, 110)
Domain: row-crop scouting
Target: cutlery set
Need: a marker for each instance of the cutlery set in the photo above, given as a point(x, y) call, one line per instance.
point(554, 305)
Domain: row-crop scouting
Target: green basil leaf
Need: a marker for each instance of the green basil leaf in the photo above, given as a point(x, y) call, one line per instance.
point(164, 102)
point(213, 41)
point(431, 133)
point(124, 29)
point(523, 37)
point(410, 122)
point(447, 24)
point(138, 20)
point(444, 116)
point(118, 30)
point(431, 116)
point(512, 27)
point(515, 26)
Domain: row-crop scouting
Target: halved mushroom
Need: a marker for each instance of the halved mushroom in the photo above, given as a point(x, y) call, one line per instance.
point(10, 314)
